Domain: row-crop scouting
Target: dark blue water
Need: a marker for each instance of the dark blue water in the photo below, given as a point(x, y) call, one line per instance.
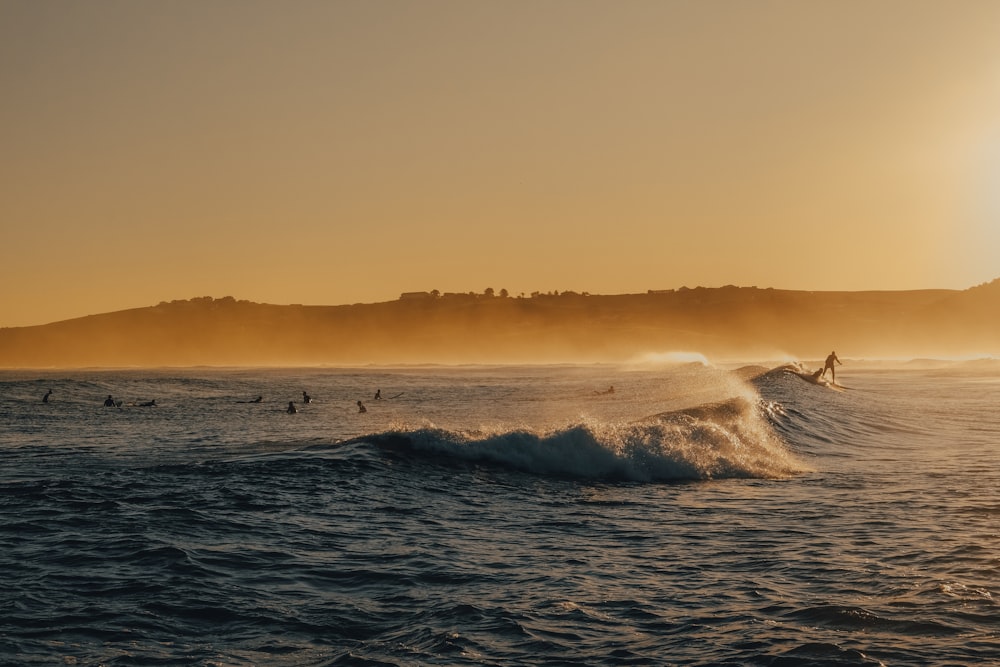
point(500, 516)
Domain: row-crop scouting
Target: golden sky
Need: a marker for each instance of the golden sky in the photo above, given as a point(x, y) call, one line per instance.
point(326, 152)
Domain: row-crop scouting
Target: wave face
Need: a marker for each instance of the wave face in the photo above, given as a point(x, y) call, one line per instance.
point(664, 512)
point(723, 441)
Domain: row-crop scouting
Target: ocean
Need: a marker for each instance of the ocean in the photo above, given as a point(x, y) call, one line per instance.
point(666, 512)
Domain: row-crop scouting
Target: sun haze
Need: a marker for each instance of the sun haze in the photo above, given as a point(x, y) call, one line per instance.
point(342, 152)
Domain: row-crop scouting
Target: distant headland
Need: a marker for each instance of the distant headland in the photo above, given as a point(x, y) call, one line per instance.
point(495, 327)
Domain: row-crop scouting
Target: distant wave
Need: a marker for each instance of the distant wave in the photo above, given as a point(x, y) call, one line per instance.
point(730, 440)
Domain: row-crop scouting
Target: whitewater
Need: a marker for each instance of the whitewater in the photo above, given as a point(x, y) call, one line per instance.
point(668, 512)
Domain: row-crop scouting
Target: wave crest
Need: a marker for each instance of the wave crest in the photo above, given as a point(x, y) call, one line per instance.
point(729, 440)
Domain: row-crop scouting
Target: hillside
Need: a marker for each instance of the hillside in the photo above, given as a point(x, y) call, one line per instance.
point(728, 322)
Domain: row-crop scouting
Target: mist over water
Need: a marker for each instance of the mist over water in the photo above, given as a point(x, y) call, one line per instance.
point(664, 511)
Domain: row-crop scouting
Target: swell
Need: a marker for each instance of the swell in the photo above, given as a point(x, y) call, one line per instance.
point(727, 440)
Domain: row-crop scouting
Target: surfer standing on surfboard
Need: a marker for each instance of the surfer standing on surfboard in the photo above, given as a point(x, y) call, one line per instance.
point(829, 365)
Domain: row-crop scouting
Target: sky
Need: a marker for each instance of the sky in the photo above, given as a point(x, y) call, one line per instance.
point(334, 152)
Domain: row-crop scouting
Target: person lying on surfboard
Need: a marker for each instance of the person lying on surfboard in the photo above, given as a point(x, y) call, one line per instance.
point(829, 365)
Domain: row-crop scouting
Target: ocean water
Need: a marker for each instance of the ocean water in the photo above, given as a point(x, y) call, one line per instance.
point(696, 515)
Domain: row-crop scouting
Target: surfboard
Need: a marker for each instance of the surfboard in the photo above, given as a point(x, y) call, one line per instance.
point(821, 382)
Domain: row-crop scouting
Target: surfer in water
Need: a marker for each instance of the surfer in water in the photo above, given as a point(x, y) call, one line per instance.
point(306, 398)
point(829, 366)
point(291, 408)
point(378, 394)
point(361, 407)
point(45, 398)
point(109, 402)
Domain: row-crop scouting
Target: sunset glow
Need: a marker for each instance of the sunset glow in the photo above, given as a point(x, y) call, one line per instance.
point(344, 152)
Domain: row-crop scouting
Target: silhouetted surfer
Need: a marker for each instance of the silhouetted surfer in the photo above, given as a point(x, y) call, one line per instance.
point(361, 407)
point(109, 402)
point(148, 404)
point(378, 394)
point(45, 398)
point(257, 400)
point(291, 408)
point(829, 366)
point(306, 398)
